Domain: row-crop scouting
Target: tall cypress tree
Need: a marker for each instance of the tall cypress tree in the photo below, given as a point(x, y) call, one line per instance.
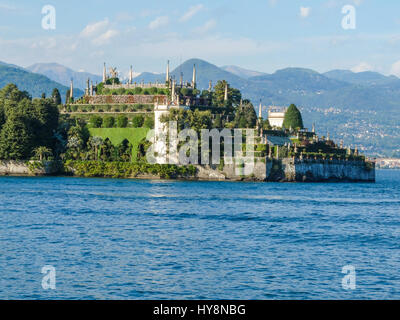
point(67, 96)
point(56, 96)
point(293, 118)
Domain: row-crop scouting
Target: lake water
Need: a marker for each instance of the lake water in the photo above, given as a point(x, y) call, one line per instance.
point(133, 239)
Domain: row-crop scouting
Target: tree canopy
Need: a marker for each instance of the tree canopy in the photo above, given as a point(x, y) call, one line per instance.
point(245, 115)
point(25, 124)
point(56, 96)
point(234, 95)
point(293, 118)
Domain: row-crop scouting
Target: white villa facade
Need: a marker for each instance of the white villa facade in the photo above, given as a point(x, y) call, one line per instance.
point(276, 115)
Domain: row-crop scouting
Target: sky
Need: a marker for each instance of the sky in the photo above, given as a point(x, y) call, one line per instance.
point(260, 35)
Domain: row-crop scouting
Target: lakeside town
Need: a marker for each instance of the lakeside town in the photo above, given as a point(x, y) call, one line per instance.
point(387, 163)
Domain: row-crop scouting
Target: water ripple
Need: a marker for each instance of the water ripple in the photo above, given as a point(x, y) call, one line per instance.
point(134, 239)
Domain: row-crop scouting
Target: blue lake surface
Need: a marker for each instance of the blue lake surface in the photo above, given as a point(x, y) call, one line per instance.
point(137, 239)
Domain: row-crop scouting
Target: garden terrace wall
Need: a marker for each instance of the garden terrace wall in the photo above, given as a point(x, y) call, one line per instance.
point(127, 99)
point(86, 116)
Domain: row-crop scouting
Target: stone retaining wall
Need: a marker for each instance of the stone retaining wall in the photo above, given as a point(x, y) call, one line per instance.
point(29, 168)
point(290, 170)
point(282, 170)
point(127, 99)
point(328, 170)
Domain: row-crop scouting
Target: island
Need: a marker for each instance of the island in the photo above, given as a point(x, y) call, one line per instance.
point(169, 130)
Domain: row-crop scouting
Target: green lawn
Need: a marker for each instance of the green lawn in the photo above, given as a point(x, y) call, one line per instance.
point(117, 135)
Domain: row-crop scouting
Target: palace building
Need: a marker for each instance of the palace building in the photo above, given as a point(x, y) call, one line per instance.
point(276, 116)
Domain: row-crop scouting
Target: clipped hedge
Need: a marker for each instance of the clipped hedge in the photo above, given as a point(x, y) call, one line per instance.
point(127, 170)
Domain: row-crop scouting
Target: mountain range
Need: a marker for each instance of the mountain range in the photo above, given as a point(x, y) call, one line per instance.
point(308, 88)
point(361, 108)
point(34, 83)
point(241, 72)
point(63, 75)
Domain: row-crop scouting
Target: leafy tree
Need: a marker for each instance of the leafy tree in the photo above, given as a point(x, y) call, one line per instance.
point(113, 81)
point(234, 95)
point(148, 122)
point(60, 137)
point(2, 116)
point(122, 121)
point(217, 122)
point(35, 123)
point(121, 91)
point(44, 122)
point(94, 145)
point(200, 120)
point(99, 88)
point(78, 137)
point(137, 121)
point(96, 121)
point(108, 122)
point(189, 119)
point(138, 90)
point(293, 118)
point(16, 139)
point(42, 153)
point(186, 92)
point(107, 150)
point(153, 90)
point(266, 125)
point(56, 97)
point(143, 146)
point(245, 116)
point(124, 151)
point(242, 123)
point(11, 92)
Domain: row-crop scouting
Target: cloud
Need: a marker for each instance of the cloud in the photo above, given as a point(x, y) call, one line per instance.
point(44, 44)
point(100, 33)
point(362, 67)
point(305, 12)
point(358, 2)
point(105, 37)
point(95, 28)
point(191, 12)
point(395, 69)
point(159, 22)
point(210, 24)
